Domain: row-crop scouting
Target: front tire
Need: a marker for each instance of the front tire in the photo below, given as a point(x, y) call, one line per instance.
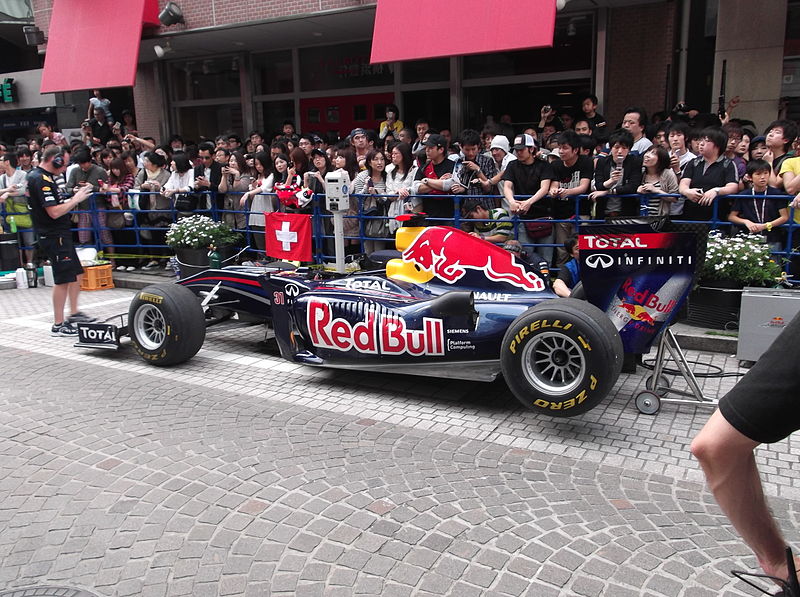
point(166, 324)
point(561, 357)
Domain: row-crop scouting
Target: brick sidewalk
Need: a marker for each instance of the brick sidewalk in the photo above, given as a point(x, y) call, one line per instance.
point(241, 474)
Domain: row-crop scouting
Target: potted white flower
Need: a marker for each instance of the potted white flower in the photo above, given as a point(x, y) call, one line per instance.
point(732, 262)
point(193, 238)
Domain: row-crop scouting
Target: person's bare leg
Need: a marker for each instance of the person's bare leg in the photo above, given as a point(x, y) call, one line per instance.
point(729, 464)
point(59, 300)
point(74, 292)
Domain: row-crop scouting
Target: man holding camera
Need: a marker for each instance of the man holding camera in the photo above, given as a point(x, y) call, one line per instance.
point(51, 220)
point(474, 174)
point(97, 131)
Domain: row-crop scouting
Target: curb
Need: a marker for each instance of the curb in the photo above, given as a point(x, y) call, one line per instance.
point(696, 338)
point(137, 281)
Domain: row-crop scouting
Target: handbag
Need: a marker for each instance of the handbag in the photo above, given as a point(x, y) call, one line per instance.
point(396, 208)
point(539, 228)
point(186, 201)
point(115, 219)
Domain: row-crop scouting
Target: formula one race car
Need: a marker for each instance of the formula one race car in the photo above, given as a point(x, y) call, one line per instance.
point(452, 305)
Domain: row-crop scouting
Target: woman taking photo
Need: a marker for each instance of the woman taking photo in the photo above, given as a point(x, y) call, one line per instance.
point(315, 180)
point(345, 159)
point(399, 179)
point(658, 181)
point(236, 180)
point(298, 165)
point(120, 181)
point(372, 182)
point(257, 198)
point(157, 209)
point(320, 166)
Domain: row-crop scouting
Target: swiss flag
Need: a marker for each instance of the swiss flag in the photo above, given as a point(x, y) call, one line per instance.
point(288, 236)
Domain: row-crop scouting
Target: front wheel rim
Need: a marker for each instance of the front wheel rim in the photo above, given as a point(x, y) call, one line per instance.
point(150, 327)
point(553, 363)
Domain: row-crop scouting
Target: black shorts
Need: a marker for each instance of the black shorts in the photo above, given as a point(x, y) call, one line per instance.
point(58, 248)
point(765, 404)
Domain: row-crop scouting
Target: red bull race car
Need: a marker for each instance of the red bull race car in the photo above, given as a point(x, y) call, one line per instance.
point(451, 305)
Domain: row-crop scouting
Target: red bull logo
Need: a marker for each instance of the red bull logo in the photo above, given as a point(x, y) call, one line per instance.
point(382, 334)
point(637, 313)
point(448, 253)
point(646, 299)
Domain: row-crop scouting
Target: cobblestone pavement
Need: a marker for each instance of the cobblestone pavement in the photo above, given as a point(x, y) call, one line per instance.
point(241, 474)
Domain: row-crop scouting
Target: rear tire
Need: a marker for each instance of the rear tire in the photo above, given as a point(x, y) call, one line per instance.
point(166, 324)
point(561, 357)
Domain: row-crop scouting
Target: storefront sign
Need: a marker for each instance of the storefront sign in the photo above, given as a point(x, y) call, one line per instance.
point(8, 92)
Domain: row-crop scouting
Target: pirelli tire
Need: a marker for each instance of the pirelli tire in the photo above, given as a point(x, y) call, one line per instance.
point(561, 357)
point(166, 324)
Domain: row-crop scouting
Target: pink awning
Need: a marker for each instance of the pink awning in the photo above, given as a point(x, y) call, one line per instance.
point(94, 44)
point(414, 29)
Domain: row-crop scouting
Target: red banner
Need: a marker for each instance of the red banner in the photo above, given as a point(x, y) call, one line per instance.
point(458, 28)
point(93, 44)
point(288, 236)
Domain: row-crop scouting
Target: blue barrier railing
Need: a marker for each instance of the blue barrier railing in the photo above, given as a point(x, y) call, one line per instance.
point(146, 228)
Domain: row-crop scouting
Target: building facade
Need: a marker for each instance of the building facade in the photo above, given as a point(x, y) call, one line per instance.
point(241, 66)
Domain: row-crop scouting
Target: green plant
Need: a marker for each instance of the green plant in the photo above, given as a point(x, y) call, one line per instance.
point(200, 232)
point(744, 258)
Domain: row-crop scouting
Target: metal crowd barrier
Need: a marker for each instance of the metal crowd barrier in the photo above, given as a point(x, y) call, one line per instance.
point(145, 236)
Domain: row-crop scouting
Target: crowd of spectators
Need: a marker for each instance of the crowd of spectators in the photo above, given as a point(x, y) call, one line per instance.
point(545, 177)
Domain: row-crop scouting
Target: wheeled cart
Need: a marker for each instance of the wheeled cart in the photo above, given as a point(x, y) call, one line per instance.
point(658, 387)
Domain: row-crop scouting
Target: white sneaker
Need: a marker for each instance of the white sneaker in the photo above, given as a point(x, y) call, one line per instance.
point(120, 268)
point(64, 329)
point(130, 268)
point(151, 265)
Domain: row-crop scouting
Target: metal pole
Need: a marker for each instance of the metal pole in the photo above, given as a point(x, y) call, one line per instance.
point(338, 239)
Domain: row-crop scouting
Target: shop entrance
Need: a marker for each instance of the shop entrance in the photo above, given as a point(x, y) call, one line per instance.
point(341, 114)
point(522, 101)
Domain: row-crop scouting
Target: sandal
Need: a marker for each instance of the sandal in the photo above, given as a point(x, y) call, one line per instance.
point(789, 588)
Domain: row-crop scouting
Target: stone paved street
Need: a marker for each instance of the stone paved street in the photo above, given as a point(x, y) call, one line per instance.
point(238, 473)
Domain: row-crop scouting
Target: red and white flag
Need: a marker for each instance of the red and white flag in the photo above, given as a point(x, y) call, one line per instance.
point(288, 236)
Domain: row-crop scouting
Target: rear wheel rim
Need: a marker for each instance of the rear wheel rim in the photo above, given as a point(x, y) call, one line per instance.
point(553, 363)
point(150, 327)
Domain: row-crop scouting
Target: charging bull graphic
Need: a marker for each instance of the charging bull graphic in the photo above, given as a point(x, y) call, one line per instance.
point(638, 313)
point(448, 252)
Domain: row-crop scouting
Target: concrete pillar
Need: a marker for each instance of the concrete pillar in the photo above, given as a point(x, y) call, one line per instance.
point(149, 102)
point(750, 36)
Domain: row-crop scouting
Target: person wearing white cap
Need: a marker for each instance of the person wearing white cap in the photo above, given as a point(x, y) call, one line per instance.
point(502, 157)
point(527, 176)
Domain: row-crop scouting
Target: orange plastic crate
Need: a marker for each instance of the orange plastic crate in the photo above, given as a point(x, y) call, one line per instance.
point(97, 277)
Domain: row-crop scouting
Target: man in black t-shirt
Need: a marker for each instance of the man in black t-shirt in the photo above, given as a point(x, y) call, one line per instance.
point(435, 179)
point(527, 176)
point(572, 175)
point(589, 106)
point(709, 177)
point(51, 220)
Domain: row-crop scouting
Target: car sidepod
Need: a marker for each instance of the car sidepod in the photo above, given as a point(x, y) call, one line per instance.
point(392, 330)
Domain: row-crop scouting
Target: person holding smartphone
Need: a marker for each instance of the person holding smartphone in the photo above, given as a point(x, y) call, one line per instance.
point(392, 125)
point(678, 140)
